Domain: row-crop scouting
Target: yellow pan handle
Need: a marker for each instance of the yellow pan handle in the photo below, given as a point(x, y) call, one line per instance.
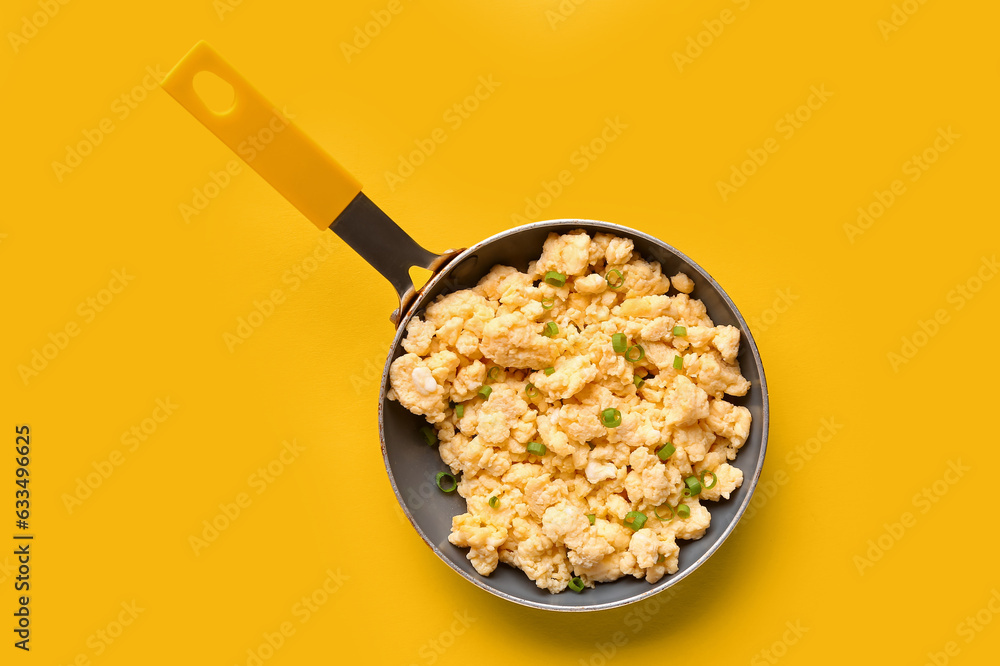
point(266, 140)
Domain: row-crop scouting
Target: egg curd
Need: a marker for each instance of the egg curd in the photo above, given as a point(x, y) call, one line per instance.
point(581, 405)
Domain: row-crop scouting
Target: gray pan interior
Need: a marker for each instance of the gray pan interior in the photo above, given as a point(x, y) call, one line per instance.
point(412, 465)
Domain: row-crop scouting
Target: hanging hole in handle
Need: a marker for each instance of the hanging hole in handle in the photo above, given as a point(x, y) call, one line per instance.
point(217, 94)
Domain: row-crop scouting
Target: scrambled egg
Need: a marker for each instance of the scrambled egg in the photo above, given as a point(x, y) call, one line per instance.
point(546, 349)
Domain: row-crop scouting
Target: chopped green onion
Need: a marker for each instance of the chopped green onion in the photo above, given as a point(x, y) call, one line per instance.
point(550, 329)
point(638, 381)
point(678, 363)
point(611, 418)
point(576, 584)
point(494, 502)
point(680, 331)
point(493, 374)
point(537, 448)
point(555, 278)
point(634, 520)
point(666, 451)
point(661, 559)
point(615, 278)
point(683, 511)
point(668, 517)
point(549, 370)
point(531, 390)
point(448, 479)
point(485, 391)
point(693, 486)
point(459, 411)
point(429, 435)
point(619, 343)
point(548, 303)
point(715, 479)
point(631, 358)
point(592, 518)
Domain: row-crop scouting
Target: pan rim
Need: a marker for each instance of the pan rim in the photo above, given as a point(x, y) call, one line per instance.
point(611, 227)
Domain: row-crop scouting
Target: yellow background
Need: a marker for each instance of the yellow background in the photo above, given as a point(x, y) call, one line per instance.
point(309, 373)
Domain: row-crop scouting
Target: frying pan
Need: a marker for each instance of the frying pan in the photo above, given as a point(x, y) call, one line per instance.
point(332, 199)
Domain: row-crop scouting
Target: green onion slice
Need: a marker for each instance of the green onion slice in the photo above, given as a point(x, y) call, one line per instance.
point(715, 479)
point(576, 584)
point(493, 373)
point(611, 418)
point(449, 483)
point(683, 511)
point(661, 559)
point(668, 517)
point(680, 331)
point(638, 356)
point(459, 411)
point(485, 391)
point(531, 390)
point(619, 343)
point(638, 381)
point(550, 329)
point(634, 520)
point(555, 278)
point(494, 502)
point(549, 370)
point(693, 486)
point(537, 448)
point(429, 435)
point(666, 451)
point(548, 303)
point(592, 518)
point(678, 363)
point(615, 278)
